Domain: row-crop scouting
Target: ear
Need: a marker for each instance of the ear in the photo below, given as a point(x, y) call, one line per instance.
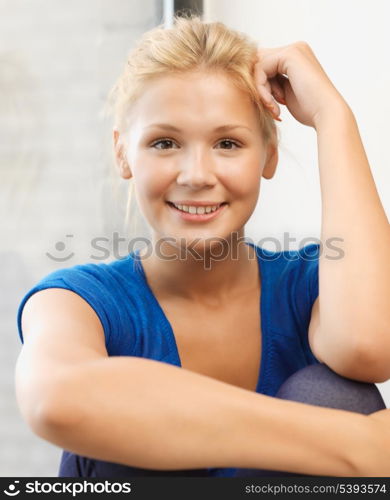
point(271, 161)
point(120, 156)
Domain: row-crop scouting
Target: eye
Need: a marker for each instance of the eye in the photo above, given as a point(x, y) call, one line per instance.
point(162, 141)
point(229, 141)
point(167, 143)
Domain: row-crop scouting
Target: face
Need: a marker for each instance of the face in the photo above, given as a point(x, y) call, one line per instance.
point(196, 138)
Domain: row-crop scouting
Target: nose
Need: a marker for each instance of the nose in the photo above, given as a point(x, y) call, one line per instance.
point(196, 170)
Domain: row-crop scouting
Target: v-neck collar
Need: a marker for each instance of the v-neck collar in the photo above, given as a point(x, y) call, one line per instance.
point(264, 309)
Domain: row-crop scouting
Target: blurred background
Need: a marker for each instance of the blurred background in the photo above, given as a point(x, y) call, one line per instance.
point(58, 186)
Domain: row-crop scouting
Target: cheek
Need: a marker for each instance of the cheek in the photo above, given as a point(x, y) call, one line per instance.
point(244, 183)
point(151, 186)
point(147, 177)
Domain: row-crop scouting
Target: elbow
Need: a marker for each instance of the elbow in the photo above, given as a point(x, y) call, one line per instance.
point(45, 411)
point(54, 422)
point(363, 362)
point(372, 363)
point(355, 357)
point(60, 409)
point(45, 418)
point(47, 403)
point(373, 353)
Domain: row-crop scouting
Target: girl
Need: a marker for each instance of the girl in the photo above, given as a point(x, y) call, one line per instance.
point(167, 362)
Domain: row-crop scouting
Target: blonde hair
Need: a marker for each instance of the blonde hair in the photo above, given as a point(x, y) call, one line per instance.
point(190, 45)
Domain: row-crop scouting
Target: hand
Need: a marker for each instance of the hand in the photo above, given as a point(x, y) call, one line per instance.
point(292, 75)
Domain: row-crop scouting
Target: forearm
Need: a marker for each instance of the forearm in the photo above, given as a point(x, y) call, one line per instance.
point(148, 414)
point(354, 288)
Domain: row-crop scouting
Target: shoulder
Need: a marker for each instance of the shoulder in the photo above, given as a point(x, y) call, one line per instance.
point(301, 263)
point(309, 252)
point(293, 276)
point(106, 287)
point(92, 276)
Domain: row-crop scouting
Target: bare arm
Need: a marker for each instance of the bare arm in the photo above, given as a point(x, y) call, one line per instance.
point(149, 414)
point(354, 289)
point(350, 327)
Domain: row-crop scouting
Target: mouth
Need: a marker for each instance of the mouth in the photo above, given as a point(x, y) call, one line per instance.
point(190, 216)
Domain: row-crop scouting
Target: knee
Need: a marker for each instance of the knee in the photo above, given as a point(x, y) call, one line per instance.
point(319, 385)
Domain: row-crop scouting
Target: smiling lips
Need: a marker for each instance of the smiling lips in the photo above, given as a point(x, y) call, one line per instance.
point(197, 208)
point(197, 211)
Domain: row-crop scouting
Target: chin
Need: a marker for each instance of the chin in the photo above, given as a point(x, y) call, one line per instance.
point(199, 242)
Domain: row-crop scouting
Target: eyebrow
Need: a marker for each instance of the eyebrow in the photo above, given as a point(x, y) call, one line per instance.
point(222, 128)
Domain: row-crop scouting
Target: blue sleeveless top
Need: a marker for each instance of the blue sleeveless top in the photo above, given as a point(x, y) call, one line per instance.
point(135, 325)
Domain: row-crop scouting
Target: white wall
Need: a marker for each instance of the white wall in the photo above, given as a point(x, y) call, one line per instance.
point(351, 39)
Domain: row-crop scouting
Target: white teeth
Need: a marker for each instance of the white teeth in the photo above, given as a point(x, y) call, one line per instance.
point(197, 210)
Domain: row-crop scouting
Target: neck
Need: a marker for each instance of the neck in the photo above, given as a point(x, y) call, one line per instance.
point(197, 276)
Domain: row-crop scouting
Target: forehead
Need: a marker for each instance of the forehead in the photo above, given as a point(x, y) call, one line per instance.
point(196, 98)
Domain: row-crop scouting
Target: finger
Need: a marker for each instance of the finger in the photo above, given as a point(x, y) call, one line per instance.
point(277, 90)
point(263, 84)
point(269, 101)
point(259, 72)
point(269, 89)
point(265, 95)
point(260, 75)
point(285, 85)
point(272, 60)
point(274, 108)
